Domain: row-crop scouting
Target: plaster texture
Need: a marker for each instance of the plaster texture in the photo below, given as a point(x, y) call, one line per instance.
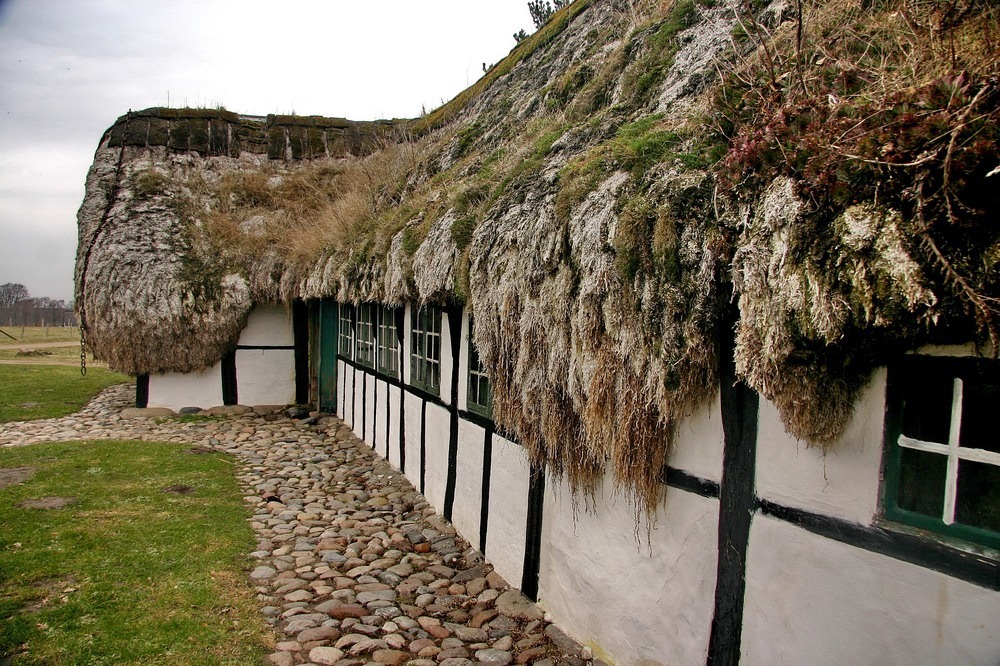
point(268, 325)
point(392, 395)
point(436, 447)
point(810, 600)
point(411, 432)
point(345, 393)
point(635, 597)
point(186, 389)
point(265, 377)
point(844, 481)
point(466, 515)
point(509, 476)
point(447, 365)
point(381, 418)
point(700, 442)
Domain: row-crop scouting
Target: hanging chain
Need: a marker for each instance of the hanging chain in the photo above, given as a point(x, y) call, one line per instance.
point(83, 351)
point(93, 240)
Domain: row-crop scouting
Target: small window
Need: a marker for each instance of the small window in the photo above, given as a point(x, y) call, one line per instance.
point(943, 448)
point(425, 350)
point(366, 335)
point(346, 346)
point(480, 397)
point(388, 342)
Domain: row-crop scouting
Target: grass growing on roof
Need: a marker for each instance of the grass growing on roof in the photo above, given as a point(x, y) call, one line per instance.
point(127, 572)
point(47, 391)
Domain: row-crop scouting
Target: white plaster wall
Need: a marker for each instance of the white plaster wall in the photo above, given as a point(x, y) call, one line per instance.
point(447, 367)
point(843, 482)
point(393, 393)
point(463, 364)
point(811, 600)
point(265, 376)
point(404, 358)
point(509, 476)
point(700, 442)
point(356, 398)
point(466, 514)
point(268, 325)
point(364, 393)
point(345, 392)
point(412, 434)
point(381, 423)
point(630, 598)
point(186, 389)
point(436, 447)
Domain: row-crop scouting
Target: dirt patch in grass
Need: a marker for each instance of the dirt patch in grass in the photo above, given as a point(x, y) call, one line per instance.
point(48, 590)
point(10, 476)
point(47, 503)
point(179, 489)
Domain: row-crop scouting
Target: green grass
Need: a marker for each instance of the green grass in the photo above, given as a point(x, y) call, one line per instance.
point(47, 391)
point(69, 354)
point(39, 334)
point(127, 573)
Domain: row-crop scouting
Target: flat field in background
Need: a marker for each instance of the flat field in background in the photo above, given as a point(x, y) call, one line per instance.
point(28, 334)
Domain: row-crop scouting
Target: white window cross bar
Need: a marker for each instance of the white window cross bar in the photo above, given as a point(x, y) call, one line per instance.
point(953, 451)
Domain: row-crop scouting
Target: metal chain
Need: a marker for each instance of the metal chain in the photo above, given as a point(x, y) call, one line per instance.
point(93, 240)
point(83, 351)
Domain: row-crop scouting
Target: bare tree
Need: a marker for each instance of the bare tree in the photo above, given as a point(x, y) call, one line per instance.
point(11, 293)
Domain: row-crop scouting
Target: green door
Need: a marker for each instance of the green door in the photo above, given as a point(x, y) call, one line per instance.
point(328, 321)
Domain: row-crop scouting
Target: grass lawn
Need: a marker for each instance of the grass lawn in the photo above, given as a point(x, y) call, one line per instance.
point(39, 334)
point(61, 354)
point(46, 391)
point(144, 566)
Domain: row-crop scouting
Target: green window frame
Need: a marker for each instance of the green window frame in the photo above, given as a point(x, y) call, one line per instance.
point(345, 347)
point(480, 395)
point(388, 342)
point(942, 449)
point(365, 335)
point(425, 349)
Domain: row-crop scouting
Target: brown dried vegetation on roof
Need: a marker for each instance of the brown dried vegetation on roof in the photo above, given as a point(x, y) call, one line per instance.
point(590, 199)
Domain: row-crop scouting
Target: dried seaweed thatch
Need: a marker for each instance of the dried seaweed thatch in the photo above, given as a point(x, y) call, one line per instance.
point(588, 200)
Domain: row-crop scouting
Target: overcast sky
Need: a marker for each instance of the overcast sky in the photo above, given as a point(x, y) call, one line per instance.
point(69, 68)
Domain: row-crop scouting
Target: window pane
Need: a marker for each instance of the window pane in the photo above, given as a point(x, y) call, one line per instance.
point(921, 482)
point(978, 501)
point(484, 391)
point(927, 408)
point(474, 390)
point(980, 400)
point(417, 352)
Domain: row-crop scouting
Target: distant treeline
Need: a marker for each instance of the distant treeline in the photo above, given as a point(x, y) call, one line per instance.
point(18, 308)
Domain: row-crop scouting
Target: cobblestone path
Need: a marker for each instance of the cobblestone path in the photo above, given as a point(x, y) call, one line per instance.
point(353, 566)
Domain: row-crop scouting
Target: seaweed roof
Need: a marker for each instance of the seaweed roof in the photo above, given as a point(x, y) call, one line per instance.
point(597, 200)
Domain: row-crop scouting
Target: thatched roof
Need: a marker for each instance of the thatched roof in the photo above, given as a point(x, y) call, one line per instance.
point(592, 199)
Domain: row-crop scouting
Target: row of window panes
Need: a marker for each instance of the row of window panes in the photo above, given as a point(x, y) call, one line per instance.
point(425, 350)
point(480, 398)
point(425, 357)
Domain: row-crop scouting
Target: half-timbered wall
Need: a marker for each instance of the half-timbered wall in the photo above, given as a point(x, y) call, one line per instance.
point(268, 367)
point(809, 571)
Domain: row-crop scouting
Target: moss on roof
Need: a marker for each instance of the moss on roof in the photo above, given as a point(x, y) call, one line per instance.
point(593, 200)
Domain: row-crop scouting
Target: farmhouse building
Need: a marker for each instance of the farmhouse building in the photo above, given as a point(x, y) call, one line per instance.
point(685, 314)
